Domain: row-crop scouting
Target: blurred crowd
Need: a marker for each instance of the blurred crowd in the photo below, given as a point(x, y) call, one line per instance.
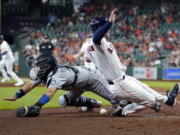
point(138, 36)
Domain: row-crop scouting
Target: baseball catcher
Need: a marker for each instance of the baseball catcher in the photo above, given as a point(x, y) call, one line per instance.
point(74, 79)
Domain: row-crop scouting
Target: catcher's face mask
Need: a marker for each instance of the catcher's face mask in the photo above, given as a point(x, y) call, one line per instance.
point(42, 71)
point(45, 63)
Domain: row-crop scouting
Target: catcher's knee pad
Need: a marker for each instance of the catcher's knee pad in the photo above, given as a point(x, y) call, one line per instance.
point(64, 100)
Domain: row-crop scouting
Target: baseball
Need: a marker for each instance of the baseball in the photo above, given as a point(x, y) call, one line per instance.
point(84, 109)
point(103, 111)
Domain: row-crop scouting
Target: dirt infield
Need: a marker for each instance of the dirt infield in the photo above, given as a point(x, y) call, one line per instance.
point(71, 121)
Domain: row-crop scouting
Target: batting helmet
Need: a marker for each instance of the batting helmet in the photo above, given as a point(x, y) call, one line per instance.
point(45, 63)
point(97, 22)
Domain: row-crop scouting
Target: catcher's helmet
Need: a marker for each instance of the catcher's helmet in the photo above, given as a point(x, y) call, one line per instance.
point(45, 63)
point(97, 22)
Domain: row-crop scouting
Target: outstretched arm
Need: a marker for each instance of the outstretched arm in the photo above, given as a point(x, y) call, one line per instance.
point(21, 92)
point(33, 111)
point(99, 34)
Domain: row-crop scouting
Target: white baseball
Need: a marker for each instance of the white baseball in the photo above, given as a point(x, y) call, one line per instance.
point(84, 108)
point(103, 111)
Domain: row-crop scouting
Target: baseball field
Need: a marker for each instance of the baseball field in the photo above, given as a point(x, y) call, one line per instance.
point(55, 120)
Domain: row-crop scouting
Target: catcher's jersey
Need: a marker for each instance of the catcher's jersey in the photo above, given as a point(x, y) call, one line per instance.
point(88, 62)
point(87, 80)
point(63, 78)
point(106, 59)
point(4, 47)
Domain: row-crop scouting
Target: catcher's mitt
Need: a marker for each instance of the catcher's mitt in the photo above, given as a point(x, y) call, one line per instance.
point(31, 111)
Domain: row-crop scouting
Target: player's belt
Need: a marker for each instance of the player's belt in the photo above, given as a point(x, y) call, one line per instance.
point(124, 77)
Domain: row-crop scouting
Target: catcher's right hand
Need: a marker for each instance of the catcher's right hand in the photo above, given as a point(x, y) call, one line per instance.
point(10, 99)
point(31, 111)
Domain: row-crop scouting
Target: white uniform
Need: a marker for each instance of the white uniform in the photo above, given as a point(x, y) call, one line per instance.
point(7, 62)
point(105, 58)
point(88, 62)
point(86, 57)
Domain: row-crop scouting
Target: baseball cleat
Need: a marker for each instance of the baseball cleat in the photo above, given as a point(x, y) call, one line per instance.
point(117, 111)
point(132, 108)
point(125, 113)
point(175, 90)
point(172, 96)
point(19, 83)
point(5, 80)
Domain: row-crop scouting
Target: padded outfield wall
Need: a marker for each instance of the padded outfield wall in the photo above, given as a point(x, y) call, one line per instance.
point(155, 73)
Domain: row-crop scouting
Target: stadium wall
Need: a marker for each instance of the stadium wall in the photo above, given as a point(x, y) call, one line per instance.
point(154, 73)
point(146, 73)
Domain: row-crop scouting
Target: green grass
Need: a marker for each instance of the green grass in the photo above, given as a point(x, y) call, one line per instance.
point(13, 81)
point(34, 95)
point(160, 84)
